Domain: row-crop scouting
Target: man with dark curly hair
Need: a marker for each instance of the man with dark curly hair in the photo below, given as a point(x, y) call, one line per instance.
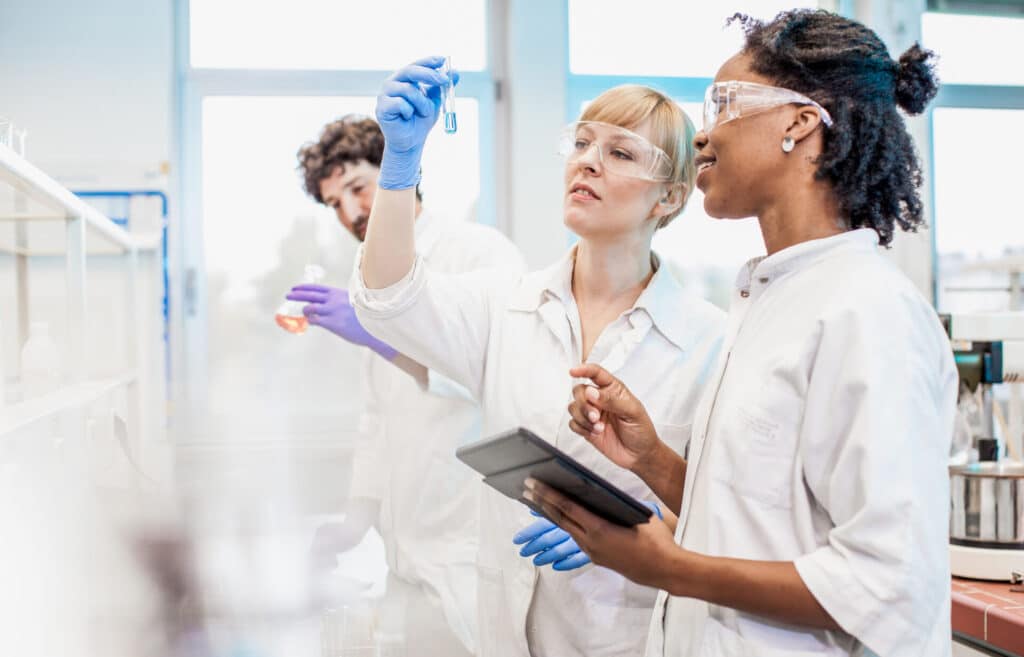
point(341, 168)
point(405, 477)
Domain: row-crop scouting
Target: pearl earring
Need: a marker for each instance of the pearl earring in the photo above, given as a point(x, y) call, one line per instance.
point(788, 144)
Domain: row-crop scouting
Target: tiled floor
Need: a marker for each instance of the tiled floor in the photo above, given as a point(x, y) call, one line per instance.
point(989, 611)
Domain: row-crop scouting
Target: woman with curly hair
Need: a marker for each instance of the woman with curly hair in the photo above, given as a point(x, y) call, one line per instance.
point(813, 502)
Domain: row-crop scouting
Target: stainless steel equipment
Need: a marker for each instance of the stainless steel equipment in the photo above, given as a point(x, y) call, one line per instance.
point(987, 505)
point(986, 523)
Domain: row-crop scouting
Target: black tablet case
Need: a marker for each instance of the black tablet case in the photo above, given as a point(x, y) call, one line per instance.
point(507, 459)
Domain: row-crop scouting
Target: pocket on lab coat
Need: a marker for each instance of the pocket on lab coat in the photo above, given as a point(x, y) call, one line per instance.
point(762, 446)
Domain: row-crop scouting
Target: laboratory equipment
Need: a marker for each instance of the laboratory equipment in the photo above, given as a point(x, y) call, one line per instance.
point(448, 100)
point(349, 631)
point(986, 525)
point(289, 315)
point(6, 132)
point(3, 379)
point(12, 136)
point(18, 138)
point(40, 362)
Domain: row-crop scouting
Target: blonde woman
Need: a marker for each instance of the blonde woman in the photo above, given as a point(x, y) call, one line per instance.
point(512, 341)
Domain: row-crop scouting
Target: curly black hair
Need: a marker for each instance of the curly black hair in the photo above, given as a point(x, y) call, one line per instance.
point(868, 155)
point(349, 140)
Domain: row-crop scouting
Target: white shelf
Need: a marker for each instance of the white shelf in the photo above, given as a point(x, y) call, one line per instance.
point(29, 195)
point(20, 415)
point(40, 217)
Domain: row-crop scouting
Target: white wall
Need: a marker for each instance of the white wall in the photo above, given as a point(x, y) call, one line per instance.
point(92, 83)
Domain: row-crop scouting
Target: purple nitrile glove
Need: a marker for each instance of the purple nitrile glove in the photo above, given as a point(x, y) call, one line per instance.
point(329, 308)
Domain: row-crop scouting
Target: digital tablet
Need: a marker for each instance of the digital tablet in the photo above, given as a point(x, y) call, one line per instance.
point(507, 459)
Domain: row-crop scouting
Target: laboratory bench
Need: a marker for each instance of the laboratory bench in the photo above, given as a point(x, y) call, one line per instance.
point(988, 618)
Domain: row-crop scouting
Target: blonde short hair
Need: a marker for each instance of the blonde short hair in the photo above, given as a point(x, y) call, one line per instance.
point(629, 105)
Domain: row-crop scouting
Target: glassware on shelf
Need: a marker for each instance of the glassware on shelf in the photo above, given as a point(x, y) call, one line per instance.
point(3, 379)
point(349, 631)
point(40, 362)
point(289, 315)
point(6, 132)
point(12, 136)
point(18, 137)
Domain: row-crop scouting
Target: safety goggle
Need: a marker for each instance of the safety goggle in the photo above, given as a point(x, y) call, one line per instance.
point(730, 100)
point(620, 151)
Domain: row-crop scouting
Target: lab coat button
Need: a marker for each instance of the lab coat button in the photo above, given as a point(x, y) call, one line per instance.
point(744, 293)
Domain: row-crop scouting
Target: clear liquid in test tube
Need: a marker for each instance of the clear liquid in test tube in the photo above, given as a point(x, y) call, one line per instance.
point(448, 102)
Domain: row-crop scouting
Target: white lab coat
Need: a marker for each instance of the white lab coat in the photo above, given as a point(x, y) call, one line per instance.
point(405, 457)
point(511, 342)
point(823, 440)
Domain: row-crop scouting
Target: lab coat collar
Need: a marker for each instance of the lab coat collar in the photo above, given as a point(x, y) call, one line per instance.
point(663, 302)
point(539, 286)
point(765, 269)
point(670, 308)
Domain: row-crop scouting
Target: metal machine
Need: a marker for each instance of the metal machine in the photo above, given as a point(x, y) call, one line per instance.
point(986, 528)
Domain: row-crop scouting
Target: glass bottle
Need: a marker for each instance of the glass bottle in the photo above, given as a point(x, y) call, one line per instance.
point(289, 315)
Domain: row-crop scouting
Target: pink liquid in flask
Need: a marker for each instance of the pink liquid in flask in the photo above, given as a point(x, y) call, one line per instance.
point(297, 325)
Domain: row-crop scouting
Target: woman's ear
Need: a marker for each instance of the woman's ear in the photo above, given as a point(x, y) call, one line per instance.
point(671, 201)
point(805, 122)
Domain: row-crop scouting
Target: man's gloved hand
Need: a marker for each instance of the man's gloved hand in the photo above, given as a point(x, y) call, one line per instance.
point(407, 108)
point(334, 538)
point(553, 544)
point(329, 308)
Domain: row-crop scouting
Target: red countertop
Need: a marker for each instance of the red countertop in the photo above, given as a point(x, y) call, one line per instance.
point(990, 612)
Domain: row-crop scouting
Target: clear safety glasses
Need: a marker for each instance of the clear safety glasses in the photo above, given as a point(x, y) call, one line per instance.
point(726, 101)
point(620, 151)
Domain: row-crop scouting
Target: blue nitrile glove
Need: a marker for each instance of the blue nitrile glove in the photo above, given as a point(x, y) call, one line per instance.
point(407, 108)
point(555, 545)
point(330, 308)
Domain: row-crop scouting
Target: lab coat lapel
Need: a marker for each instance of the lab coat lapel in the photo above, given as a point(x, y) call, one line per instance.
point(702, 420)
point(698, 436)
point(550, 295)
point(553, 314)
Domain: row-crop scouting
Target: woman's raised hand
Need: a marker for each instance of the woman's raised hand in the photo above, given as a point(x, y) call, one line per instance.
point(407, 108)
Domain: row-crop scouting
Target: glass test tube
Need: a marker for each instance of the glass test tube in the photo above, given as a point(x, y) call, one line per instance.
point(448, 102)
point(6, 132)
